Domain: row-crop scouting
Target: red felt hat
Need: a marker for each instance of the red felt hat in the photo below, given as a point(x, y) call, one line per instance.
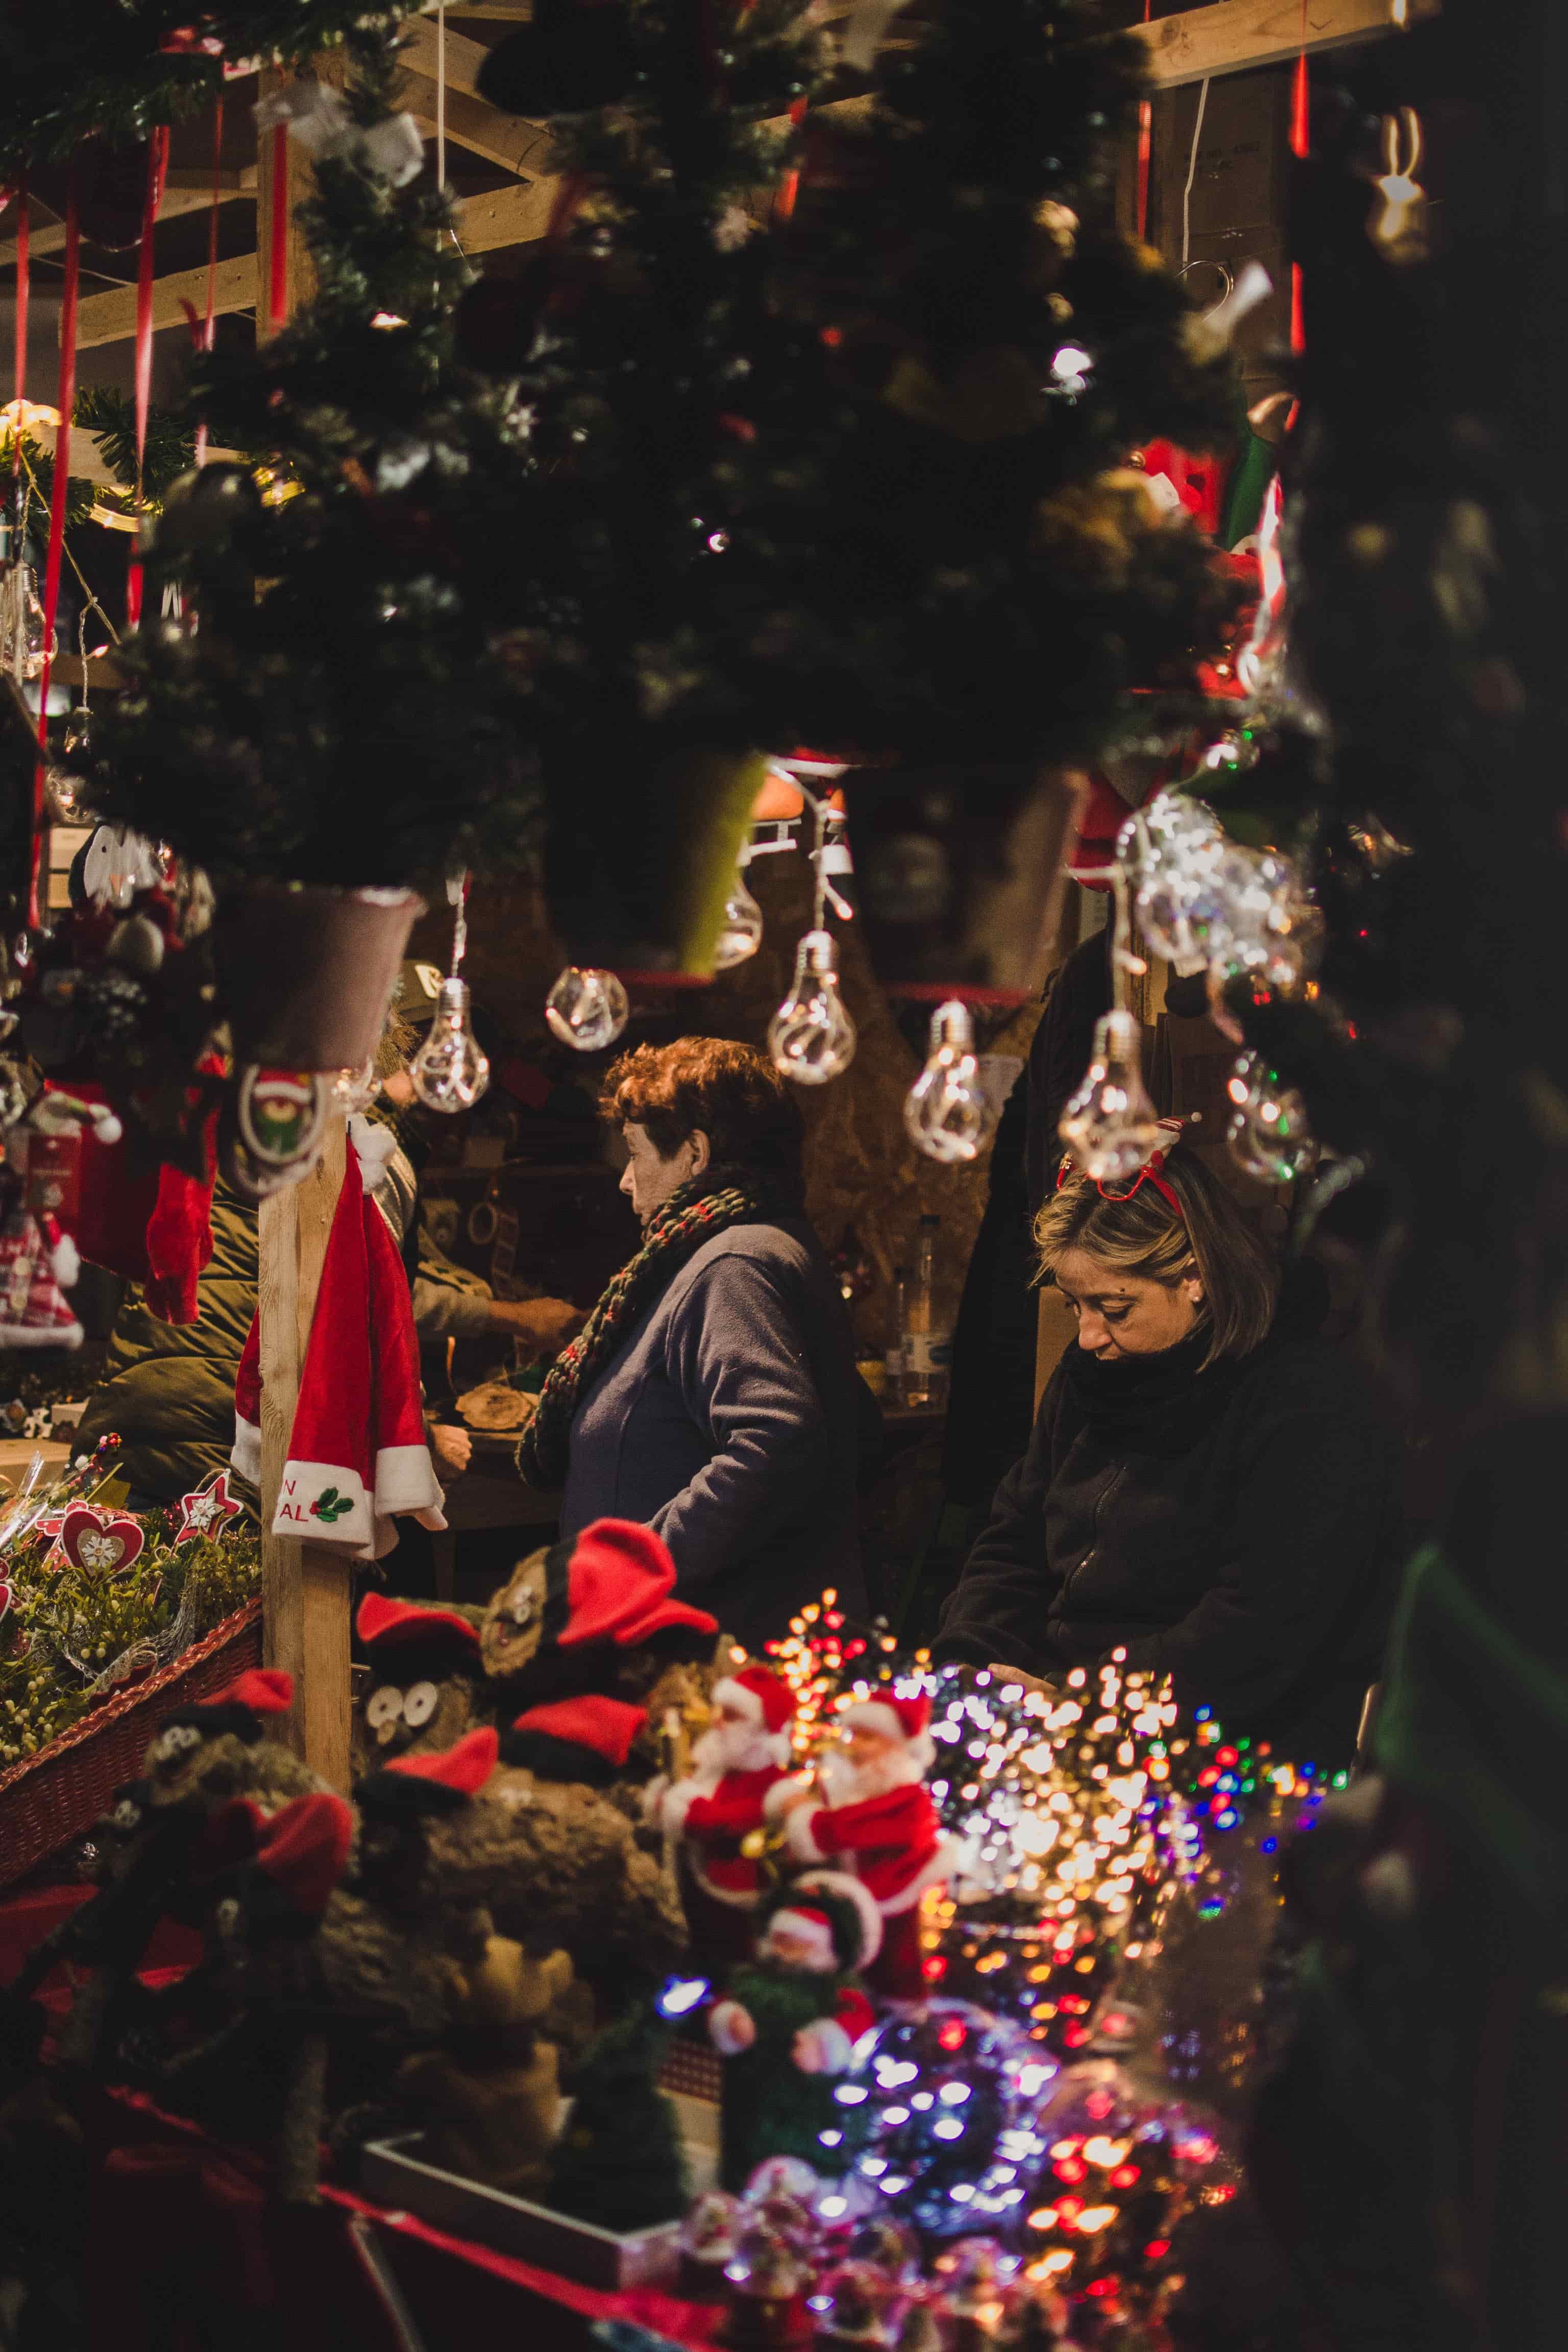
point(384, 1620)
point(266, 1690)
point(607, 1726)
point(618, 1586)
point(760, 1695)
point(305, 1847)
point(465, 1767)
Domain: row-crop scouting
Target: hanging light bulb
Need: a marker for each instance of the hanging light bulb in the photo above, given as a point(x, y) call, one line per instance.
point(450, 1071)
point(33, 637)
point(1109, 1124)
point(587, 1008)
point(1269, 1133)
point(355, 1090)
point(742, 933)
point(946, 1110)
point(811, 1036)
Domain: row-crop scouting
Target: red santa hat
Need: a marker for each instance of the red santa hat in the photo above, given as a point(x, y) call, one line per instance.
point(848, 1912)
point(618, 1588)
point(907, 1720)
point(761, 1699)
point(383, 1624)
point(810, 1927)
point(424, 1783)
point(266, 1690)
point(357, 1453)
point(605, 1726)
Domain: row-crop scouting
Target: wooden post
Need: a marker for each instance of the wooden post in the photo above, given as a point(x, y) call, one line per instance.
point(305, 1587)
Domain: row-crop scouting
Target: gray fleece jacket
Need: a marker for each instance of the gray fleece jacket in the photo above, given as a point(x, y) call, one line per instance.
point(730, 1421)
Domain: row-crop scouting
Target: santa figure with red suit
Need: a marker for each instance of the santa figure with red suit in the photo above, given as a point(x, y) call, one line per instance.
point(871, 1812)
point(741, 1768)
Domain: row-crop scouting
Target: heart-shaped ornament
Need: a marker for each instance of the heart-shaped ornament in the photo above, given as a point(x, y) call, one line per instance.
point(100, 1543)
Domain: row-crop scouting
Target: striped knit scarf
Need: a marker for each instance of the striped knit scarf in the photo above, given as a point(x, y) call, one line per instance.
point(675, 1232)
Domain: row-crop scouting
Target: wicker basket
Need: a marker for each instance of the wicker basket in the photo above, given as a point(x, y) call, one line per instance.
point(65, 1787)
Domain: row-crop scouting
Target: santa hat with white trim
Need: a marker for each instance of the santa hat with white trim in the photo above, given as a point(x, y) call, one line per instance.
point(765, 1701)
point(357, 1453)
point(905, 1721)
point(833, 1914)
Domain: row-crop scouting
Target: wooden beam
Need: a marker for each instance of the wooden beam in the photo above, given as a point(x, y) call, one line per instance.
point(184, 192)
point(464, 57)
point(1232, 35)
point(503, 216)
point(305, 1587)
point(504, 139)
point(111, 318)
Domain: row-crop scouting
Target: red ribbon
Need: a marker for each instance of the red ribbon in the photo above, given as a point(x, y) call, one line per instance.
point(64, 401)
point(22, 282)
point(277, 252)
point(1301, 146)
point(157, 165)
point(789, 186)
point(205, 339)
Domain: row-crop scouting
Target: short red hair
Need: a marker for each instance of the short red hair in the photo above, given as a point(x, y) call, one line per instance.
point(730, 1091)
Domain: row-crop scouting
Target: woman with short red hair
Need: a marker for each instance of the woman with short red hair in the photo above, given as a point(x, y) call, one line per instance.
point(713, 1393)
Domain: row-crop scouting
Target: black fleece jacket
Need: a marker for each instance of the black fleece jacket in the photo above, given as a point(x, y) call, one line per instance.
point(1254, 1560)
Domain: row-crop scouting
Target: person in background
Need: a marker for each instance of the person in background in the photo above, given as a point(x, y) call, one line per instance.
point(714, 1394)
point(1206, 1488)
point(167, 1389)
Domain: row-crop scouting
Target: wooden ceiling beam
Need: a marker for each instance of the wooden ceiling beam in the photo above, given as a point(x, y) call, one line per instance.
point(484, 130)
point(464, 57)
point(184, 192)
point(1234, 35)
point(111, 318)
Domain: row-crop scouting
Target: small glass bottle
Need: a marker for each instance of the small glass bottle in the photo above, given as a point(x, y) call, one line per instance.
point(894, 1356)
point(927, 1338)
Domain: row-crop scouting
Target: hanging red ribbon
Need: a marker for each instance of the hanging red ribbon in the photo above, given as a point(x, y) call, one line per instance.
point(204, 341)
point(789, 186)
point(64, 401)
point(1301, 146)
point(278, 249)
point(22, 284)
point(1145, 149)
point(157, 165)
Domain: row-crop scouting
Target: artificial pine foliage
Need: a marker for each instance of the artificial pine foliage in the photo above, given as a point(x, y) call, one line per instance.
point(827, 477)
point(339, 713)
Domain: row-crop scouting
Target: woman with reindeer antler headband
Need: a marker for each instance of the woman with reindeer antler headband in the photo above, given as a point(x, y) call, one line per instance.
point(1206, 1485)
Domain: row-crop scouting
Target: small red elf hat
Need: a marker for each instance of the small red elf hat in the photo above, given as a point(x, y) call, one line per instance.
point(433, 1784)
point(264, 1690)
point(618, 1587)
point(760, 1695)
point(606, 1726)
point(384, 1621)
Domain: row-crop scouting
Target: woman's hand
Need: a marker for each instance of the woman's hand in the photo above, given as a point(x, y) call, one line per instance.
point(453, 1449)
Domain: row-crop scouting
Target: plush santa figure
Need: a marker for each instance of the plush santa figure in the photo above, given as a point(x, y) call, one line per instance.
point(789, 2020)
point(874, 1816)
point(739, 1762)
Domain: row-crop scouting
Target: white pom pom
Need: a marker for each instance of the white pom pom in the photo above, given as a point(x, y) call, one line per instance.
point(65, 1262)
point(106, 1127)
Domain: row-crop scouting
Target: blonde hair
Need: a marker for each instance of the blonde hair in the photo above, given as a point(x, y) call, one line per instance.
point(1136, 1230)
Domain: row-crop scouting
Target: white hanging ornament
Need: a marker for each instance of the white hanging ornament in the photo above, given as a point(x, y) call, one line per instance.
point(1109, 1124)
point(741, 934)
point(811, 1037)
point(587, 1008)
point(354, 1091)
point(1269, 1134)
point(451, 1071)
point(946, 1110)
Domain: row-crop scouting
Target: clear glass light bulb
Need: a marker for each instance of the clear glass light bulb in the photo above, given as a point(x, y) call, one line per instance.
point(77, 736)
point(811, 1036)
point(742, 935)
point(450, 1071)
point(587, 1008)
point(31, 637)
point(1269, 1134)
point(1109, 1124)
point(355, 1090)
point(945, 1110)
